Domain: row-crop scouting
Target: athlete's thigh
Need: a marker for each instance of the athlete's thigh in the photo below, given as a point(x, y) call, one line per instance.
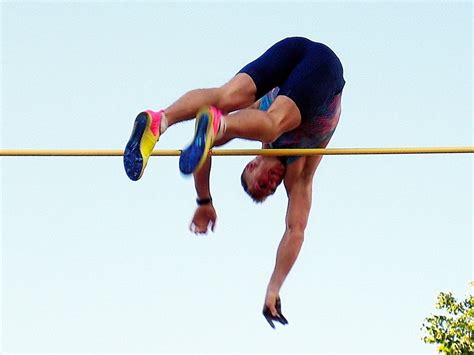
point(239, 92)
point(285, 113)
point(273, 67)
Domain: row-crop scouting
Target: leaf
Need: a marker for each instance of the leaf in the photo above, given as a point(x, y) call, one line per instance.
point(454, 331)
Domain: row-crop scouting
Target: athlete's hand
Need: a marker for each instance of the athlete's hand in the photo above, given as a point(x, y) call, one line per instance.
point(203, 219)
point(272, 310)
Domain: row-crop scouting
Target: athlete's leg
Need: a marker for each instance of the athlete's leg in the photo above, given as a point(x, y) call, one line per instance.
point(237, 93)
point(264, 126)
point(265, 73)
point(213, 129)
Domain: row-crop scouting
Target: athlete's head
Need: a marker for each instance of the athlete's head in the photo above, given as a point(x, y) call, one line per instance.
point(262, 176)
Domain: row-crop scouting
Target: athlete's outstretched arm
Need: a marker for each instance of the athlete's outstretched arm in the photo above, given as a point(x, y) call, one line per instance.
point(205, 215)
point(299, 205)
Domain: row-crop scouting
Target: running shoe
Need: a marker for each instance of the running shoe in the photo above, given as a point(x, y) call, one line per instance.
point(207, 125)
point(145, 134)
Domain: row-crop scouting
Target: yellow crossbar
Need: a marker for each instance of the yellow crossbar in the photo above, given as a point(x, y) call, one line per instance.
point(238, 152)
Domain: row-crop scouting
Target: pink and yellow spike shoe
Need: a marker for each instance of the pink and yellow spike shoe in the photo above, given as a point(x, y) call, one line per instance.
point(145, 134)
point(193, 157)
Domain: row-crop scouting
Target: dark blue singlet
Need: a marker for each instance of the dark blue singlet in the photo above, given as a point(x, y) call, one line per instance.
point(311, 75)
point(308, 72)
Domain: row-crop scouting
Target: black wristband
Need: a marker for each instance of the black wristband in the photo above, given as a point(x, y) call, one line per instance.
point(203, 201)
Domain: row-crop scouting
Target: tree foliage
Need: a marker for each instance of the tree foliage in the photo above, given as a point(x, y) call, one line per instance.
point(453, 330)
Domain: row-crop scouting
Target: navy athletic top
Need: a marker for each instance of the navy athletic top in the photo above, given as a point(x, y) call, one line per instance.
point(311, 75)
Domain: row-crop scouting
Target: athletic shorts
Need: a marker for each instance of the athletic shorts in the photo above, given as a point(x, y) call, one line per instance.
point(308, 72)
point(312, 76)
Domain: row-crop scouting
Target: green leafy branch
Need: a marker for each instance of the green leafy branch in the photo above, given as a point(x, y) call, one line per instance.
point(453, 330)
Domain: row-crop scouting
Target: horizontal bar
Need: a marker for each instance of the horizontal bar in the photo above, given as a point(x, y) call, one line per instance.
point(343, 151)
point(239, 152)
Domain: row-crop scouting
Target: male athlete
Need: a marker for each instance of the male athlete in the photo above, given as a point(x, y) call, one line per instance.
point(290, 97)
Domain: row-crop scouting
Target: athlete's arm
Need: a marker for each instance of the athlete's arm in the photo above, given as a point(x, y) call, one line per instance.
point(299, 205)
point(205, 215)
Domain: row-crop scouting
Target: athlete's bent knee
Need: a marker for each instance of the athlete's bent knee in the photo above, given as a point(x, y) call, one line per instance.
point(238, 93)
point(231, 100)
point(285, 116)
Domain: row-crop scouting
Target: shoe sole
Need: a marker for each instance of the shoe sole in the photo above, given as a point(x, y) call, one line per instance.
point(132, 157)
point(192, 156)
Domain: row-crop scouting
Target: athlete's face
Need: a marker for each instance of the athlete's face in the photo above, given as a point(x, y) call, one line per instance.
point(263, 175)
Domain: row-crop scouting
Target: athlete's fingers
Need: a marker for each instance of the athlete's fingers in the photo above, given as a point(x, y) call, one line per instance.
point(268, 316)
point(272, 313)
point(282, 319)
point(271, 318)
point(194, 229)
point(272, 310)
point(278, 309)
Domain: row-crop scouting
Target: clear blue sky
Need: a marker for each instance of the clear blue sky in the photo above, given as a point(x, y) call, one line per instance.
point(92, 262)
